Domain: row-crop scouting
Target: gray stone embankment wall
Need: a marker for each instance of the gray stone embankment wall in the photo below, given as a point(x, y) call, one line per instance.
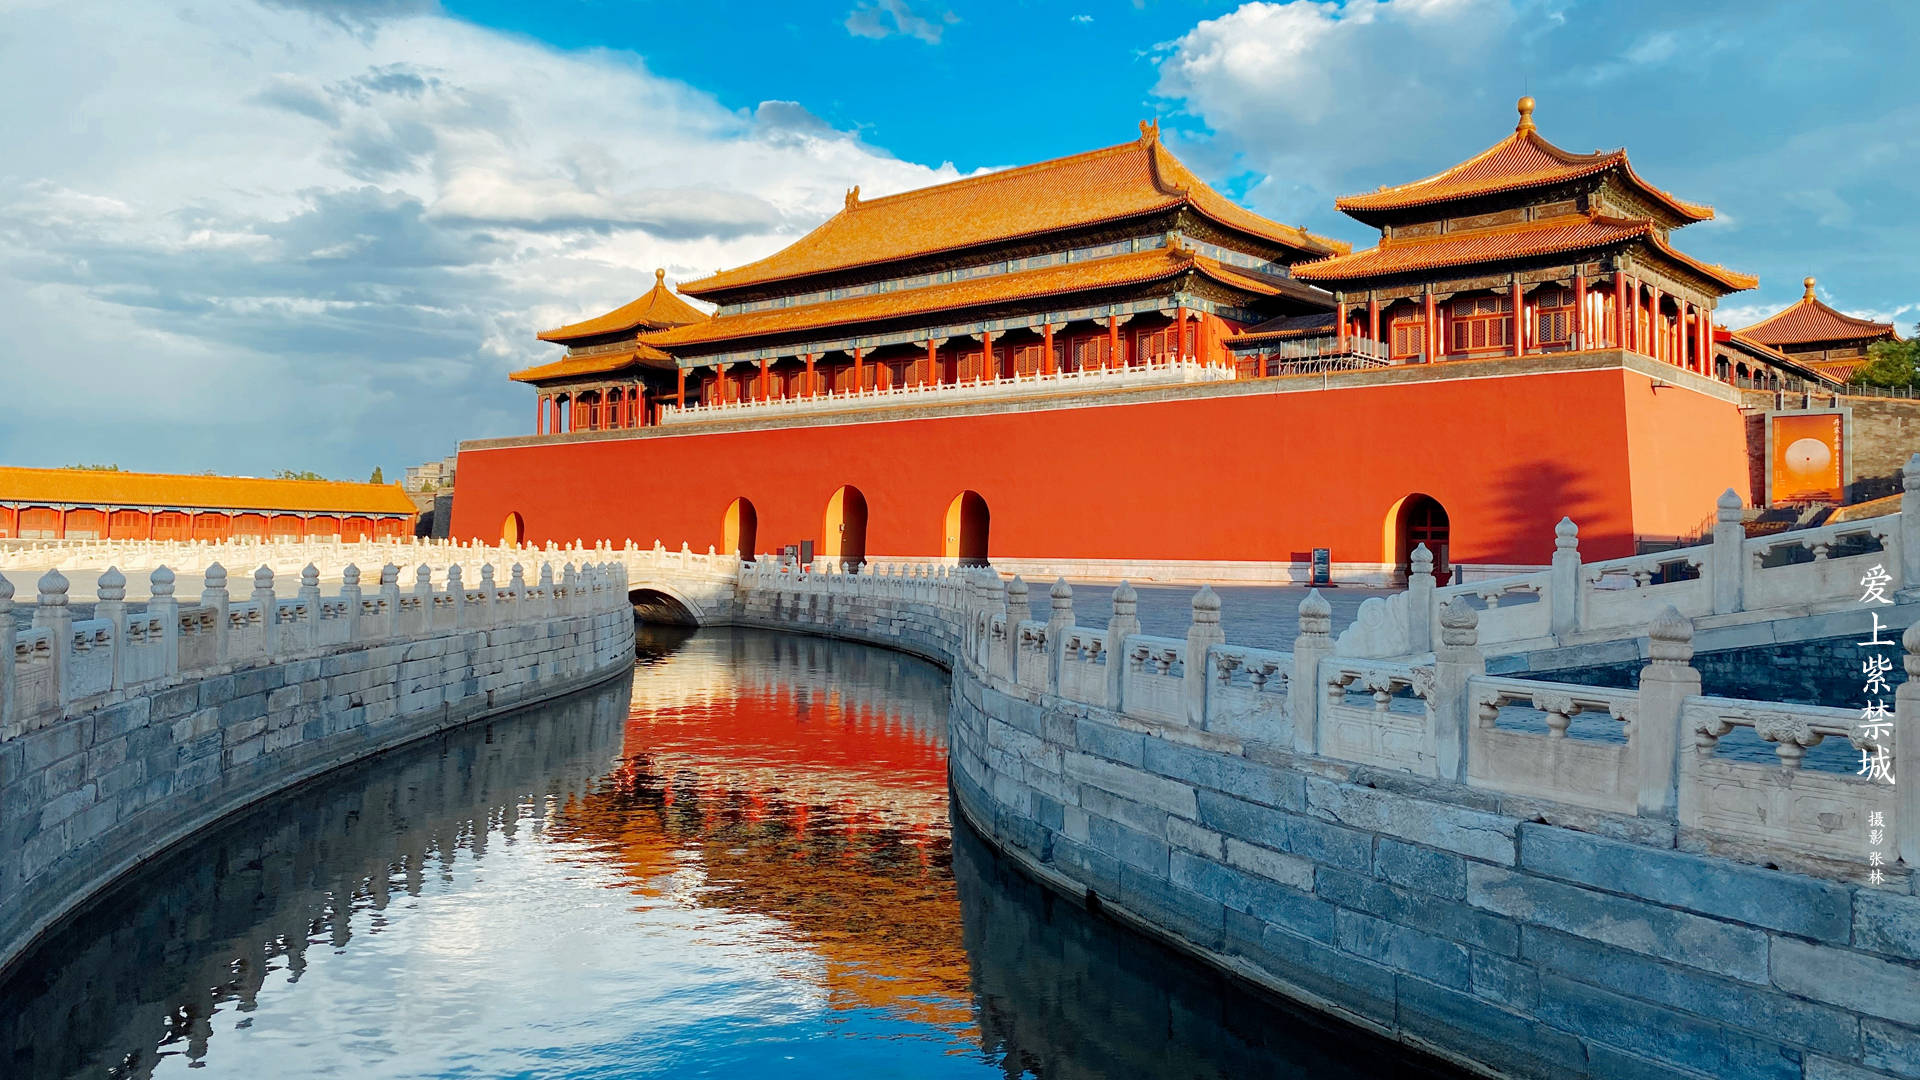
point(88, 798)
point(1470, 924)
point(1516, 937)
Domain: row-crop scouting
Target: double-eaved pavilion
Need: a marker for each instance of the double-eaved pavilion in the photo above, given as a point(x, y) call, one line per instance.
point(1830, 342)
point(603, 381)
point(1116, 261)
point(1524, 248)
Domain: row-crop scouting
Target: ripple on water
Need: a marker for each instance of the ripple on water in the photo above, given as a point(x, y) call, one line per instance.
point(739, 865)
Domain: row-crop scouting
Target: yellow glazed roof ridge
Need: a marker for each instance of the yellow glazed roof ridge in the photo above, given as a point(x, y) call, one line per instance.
point(1131, 268)
point(596, 364)
point(655, 309)
point(1089, 188)
point(1810, 319)
point(1524, 159)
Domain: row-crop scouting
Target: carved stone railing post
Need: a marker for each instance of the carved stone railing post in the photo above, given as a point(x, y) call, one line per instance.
point(389, 600)
point(310, 601)
point(546, 589)
point(1906, 732)
point(6, 656)
point(456, 596)
point(350, 599)
point(1059, 621)
point(1563, 580)
point(1203, 634)
point(1314, 644)
point(52, 613)
point(489, 594)
point(1665, 683)
point(1729, 563)
point(1420, 613)
point(163, 606)
point(213, 594)
point(1910, 530)
point(1019, 610)
point(1124, 623)
point(423, 599)
point(111, 590)
point(269, 617)
point(1456, 659)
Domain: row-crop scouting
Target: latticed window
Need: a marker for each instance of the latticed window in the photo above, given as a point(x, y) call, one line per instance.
point(1482, 322)
point(969, 366)
point(1553, 309)
point(1163, 345)
point(1090, 353)
point(1407, 332)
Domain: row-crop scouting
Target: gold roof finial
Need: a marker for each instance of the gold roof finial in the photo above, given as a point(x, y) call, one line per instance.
point(1150, 130)
point(1809, 294)
point(853, 196)
point(1526, 114)
point(659, 276)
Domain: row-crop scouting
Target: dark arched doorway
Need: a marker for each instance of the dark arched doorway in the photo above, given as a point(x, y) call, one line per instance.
point(656, 608)
point(513, 530)
point(843, 534)
point(966, 529)
point(1420, 519)
point(739, 529)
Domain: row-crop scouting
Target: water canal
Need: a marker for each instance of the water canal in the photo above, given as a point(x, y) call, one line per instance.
point(740, 864)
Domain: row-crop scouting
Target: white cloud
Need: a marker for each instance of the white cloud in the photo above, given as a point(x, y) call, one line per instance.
point(886, 18)
point(1308, 92)
point(319, 235)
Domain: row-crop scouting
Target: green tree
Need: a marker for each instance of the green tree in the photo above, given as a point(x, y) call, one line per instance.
point(376, 478)
point(1891, 363)
point(289, 474)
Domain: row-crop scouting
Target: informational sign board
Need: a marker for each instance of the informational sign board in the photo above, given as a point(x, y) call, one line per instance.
point(806, 553)
point(1807, 456)
point(1322, 566)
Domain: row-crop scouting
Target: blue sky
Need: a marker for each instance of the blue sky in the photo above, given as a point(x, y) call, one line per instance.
point(246, 235)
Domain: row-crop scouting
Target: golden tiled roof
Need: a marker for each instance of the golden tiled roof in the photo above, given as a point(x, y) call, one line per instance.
point(97, 487)
point(1286, 328)
point(1521, 160)
point(1548, 236)
point(638, 355)
point(1810, 321)
point(1129, 269)
point(656, 309)
point(1128, 180)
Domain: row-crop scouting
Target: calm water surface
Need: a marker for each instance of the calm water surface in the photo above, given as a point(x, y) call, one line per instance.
point(739, 865)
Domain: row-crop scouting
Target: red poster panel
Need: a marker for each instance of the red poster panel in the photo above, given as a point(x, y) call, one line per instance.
point(1807, 458)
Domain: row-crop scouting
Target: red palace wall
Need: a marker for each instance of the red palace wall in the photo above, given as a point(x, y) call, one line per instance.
point(1263, 477)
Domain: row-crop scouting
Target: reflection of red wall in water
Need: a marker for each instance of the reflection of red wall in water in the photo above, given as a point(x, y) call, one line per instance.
point(818, 732)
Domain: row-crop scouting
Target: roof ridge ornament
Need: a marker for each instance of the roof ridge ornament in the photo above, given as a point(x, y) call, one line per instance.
point(1525, 106)
point(659, 277)
point(1150, 131)
point(1808, 297)
point(853, 197)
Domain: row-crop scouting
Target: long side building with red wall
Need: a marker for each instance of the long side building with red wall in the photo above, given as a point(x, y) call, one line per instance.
point(1099, 366)
point(103, 504)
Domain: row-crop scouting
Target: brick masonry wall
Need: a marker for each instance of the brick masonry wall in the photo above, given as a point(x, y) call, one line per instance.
point(1522, 938)
point(87, 799)
point(1886, 431)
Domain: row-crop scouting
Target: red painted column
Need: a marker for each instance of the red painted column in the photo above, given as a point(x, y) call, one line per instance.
point(766, 386)
point(1619, 328)
point(1580, 310)
point(933, 365)
point(1113, 341)
point(1705, 328)
point(1373, 318)
point(1519, 321)
point(680, 388)
point(859, 371)
point(539, 413)
point(986, 356)
point(1046, 349)
point(1340, 323)
point(811, 388)
point(1432, 327)
point(1656, 334)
